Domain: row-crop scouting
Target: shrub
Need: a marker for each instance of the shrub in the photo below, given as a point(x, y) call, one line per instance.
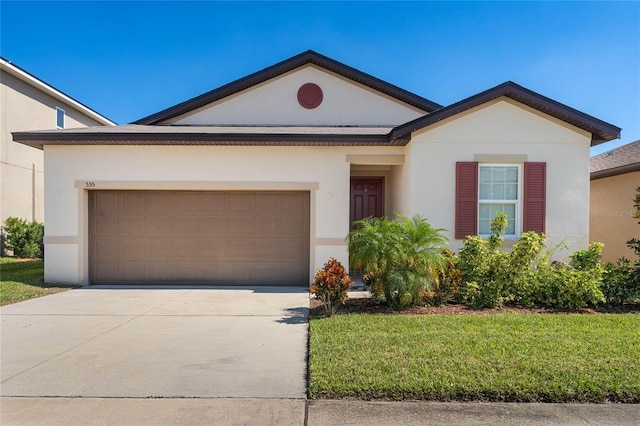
point(491, 277)
point(587, 260)
point(447, 285)
point(566, 286)
point(330, 285)
point(527, 254)
point(23, 238)
point(399, 258)
point(619, 282)
point(561, 286)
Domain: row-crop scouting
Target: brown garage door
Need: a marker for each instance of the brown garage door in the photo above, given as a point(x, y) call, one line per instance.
point(183, 237)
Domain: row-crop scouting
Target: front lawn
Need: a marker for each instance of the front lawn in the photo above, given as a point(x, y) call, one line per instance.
point(22, 279)
point(494, 357)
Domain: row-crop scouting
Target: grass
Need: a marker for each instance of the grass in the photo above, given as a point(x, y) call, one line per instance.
point(22, 279)
point(493, 357)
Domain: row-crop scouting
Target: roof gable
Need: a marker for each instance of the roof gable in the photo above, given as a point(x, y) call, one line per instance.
point(307, 58)
point(33, 81)
point(276, 102)
point(601, 131)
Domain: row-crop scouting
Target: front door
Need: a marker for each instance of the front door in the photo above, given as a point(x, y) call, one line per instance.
point(367, 198)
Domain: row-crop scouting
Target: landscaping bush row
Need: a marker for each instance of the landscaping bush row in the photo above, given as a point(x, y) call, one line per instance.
point(405, 262)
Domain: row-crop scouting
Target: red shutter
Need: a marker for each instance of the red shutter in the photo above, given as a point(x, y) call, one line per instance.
point(535, 197)
point(466, 199)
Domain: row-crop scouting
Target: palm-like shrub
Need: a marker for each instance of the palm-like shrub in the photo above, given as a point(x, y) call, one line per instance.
point(400, 258)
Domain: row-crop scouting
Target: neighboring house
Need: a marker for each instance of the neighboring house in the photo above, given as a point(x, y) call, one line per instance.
point(615, 175)
point(28, 103)
point(258, 181)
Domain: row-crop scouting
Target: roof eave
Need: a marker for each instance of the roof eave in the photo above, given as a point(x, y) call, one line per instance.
point(38, 140)
point(615, 171)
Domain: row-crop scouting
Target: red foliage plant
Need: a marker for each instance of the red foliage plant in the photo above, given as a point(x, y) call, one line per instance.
point(330, 285)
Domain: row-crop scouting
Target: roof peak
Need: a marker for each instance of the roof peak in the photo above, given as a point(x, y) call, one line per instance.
point(601, 131)
point(294, 62)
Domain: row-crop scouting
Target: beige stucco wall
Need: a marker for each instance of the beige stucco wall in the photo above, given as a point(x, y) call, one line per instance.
point(275, 102)
point(420, 178)
point(324, 171)
point(611, 214)
point(504, 131)
point(24, 107)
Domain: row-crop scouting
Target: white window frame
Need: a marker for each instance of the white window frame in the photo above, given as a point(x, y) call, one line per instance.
point(517, 202)
point(58, 110)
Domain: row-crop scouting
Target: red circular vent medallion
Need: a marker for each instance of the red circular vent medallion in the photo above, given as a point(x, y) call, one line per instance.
point(310, 95)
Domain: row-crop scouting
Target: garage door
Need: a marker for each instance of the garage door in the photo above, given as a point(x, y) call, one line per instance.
point(181, 237)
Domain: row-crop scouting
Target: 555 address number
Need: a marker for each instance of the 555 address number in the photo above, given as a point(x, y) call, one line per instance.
point(89, 184)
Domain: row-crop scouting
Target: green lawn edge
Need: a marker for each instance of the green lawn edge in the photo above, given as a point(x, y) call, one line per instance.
point(23, 279)
point(496, 357)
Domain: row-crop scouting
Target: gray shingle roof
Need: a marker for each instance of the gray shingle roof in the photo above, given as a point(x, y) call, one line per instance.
point(621, 160)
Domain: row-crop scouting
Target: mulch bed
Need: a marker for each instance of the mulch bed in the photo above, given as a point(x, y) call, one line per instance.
point(369, 306)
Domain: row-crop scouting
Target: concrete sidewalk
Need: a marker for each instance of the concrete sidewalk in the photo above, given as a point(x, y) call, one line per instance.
point(296, 412)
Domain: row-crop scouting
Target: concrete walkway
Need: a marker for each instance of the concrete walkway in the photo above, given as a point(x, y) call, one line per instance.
point(203, 356)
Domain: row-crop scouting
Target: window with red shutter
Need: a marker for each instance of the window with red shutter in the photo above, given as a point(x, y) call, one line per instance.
point(482, 190)
point(466, 199)
point(535, 197)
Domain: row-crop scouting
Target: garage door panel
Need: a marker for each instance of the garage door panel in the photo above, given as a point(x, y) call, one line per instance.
point(107, 249)
point(157, 225)
point(214, 226)
point(213, 249)
point(268, 250)
point(133, 272)
point(105, 201)
point(263, 272)
point(193, 272)
point(296, 273)
point(294, 202)
point(159, 249)
point(242, 225)
point(104, 224)
point(269, 202)
point(241, 201)
point(103, 271)
point(247, 238)
point(129, 200)
point(131, 225)
point(240, 250)
point(268, 226)
point(291, 250)
point(236, 272)
point(186, 248)
point(158, 272)
point(214, 201)
point(158, 201)
point(189, 201)
point(294, 225)
point(132, 249)
point(185, 225)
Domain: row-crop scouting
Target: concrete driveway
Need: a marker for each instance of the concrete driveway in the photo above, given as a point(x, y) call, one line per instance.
point(157, 342)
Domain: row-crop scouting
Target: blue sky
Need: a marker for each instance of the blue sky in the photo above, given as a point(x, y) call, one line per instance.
point(128, 59)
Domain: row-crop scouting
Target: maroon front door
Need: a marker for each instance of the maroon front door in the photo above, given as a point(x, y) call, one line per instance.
point(367, 198)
